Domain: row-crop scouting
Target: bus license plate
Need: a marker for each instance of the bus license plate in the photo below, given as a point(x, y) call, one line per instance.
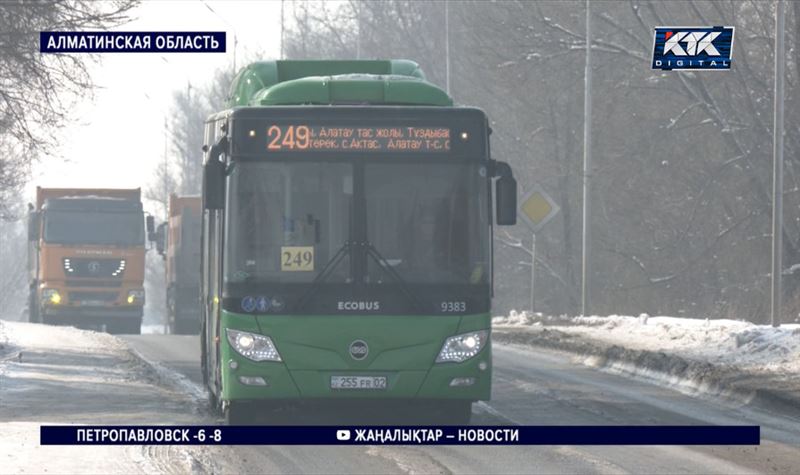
point(92, 303)
point(358, 382)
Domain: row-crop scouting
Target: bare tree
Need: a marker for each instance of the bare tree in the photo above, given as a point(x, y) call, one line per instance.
point(189, 112)
point(190, 109)
point(163, 184)
point(38, 90)
point(217, 93)
point(13, 263)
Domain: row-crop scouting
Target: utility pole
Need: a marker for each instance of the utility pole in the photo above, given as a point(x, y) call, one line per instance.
point(447, 45)
point(777, 168)
point(191, 170)
point(165, 181)
point(587, 169)
point(533, 272)
point(235, 44)
point(282, 28)
point(358, 30)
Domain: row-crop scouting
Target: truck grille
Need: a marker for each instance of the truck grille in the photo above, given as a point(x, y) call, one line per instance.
point(94, 283)
point(93, 296)
point(77, 267)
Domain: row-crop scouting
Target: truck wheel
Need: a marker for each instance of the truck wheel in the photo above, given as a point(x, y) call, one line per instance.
point(135, 327)
point(204, 358)
point(33, 314)
point(33, 309)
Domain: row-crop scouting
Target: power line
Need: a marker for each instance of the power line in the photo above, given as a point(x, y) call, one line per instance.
point(233, 29)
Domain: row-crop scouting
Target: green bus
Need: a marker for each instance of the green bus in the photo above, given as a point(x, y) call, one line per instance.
point(347, 241)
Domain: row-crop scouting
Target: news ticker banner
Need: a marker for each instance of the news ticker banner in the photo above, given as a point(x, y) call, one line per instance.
point(405, 435)
point(132, 41)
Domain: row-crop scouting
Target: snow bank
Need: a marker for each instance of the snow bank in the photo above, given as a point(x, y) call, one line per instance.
point(62, 375)
point(157, 329)
point(729, 342)
point(722, 357)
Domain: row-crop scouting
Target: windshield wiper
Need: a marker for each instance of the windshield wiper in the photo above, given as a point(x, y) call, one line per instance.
point(383, 264)
point(326, 271)
point(345, 250)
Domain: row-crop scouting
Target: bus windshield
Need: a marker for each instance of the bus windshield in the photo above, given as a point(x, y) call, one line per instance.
point(94, 227)
point(426, 221)
point(286, 220)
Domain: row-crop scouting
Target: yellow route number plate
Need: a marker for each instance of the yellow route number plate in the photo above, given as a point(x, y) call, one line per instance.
point(297, 258)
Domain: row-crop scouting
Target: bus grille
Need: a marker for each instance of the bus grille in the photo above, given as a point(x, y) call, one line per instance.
point(94, 283)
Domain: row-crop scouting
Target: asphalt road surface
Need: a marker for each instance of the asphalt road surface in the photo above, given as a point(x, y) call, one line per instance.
point(531, 387)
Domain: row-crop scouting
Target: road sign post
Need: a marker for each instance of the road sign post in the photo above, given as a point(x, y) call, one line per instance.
point(533, 271)
point(536, 208)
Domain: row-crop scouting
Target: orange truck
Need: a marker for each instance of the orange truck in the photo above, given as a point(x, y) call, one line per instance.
point(86, 258)
point(178, 241)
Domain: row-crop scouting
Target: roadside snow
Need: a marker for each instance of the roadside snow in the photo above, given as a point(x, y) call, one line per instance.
point(61, 375)
point(748, 347)
point(733, 360)
point(152, 329)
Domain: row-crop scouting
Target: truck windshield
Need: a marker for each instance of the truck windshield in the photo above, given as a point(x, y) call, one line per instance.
point(80, 227)
point(288, 220)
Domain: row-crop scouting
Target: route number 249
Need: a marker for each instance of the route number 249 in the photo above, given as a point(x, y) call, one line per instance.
point(297, 258)
point(288, 137)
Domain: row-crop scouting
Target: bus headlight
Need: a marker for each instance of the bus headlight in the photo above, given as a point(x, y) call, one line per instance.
point(253, 346)
point(51, 296)
point(462, 347)
point(135, 296)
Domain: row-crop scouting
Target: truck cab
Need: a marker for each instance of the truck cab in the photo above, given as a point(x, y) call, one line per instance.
point(86, 258)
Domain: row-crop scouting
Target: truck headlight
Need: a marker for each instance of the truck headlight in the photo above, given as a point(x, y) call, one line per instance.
point(135, 296)
point(462, 347)
point(253, 346)
point(51, 296)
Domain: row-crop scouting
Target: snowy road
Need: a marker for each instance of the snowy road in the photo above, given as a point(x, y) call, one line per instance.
point(531, 387)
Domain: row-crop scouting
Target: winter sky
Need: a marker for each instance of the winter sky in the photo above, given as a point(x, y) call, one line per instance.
point(117, 139)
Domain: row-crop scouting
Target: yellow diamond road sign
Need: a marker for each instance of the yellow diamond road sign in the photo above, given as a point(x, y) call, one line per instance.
point(537, 208)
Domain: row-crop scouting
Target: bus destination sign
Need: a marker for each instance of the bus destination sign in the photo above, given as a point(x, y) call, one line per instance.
point(367, 138)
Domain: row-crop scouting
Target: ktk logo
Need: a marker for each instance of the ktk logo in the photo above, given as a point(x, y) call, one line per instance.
point(697, 48)
point(696, 42)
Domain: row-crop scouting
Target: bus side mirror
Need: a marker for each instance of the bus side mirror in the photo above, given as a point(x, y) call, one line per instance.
point(161, 240)
point(34, 219)
point(506, 201)
point(214, 184)
point(151, 224)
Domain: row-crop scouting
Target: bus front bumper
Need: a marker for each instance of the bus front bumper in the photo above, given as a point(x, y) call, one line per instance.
point(248, 380)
